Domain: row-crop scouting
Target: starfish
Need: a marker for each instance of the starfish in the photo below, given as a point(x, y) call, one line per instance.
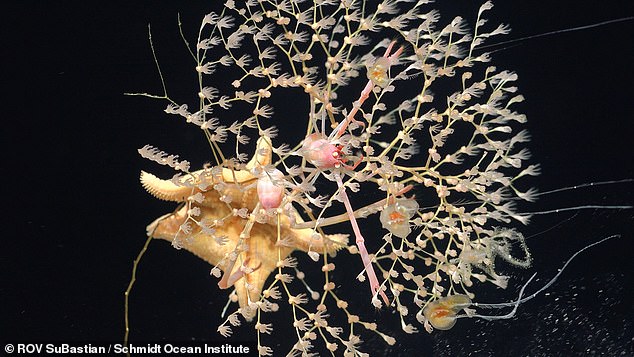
point(212, 224)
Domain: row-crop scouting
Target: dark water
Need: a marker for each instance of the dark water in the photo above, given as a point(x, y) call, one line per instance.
point(75, 216)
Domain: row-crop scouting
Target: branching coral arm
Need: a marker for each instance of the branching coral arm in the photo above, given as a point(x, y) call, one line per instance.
point(359, 213)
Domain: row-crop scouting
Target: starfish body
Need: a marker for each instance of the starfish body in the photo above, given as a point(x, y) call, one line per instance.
point(247, 247)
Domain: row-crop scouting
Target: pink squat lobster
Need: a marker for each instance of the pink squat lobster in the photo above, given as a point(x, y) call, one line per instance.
point(320, 151)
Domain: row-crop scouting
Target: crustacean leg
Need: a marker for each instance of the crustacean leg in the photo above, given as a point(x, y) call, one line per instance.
point(387, 59)
point(359, 240)
point(229, 279)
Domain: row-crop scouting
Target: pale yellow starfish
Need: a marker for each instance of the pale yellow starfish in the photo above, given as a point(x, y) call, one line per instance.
point(256, 246)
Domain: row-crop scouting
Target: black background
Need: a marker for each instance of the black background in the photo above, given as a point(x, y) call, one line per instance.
point(74, 214)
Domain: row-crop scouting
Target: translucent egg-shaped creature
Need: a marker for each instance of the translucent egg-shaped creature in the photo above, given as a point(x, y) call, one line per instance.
point(442, 312)
point(270, 188)
point(396, 217)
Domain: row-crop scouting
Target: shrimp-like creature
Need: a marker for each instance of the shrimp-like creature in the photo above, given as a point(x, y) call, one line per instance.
point(325, 154)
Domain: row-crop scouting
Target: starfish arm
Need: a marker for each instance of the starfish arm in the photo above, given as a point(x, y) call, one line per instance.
point(262, 252)
point(263, 154)
point(167, 226)
point(304, 240)
point(257, 251)
point(262, 157)
point(165, 189)
point(204, 246)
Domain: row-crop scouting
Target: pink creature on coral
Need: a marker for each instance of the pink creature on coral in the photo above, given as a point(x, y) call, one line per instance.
point(324, 153)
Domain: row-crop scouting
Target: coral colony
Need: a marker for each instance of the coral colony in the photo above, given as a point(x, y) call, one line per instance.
point(406, 125)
